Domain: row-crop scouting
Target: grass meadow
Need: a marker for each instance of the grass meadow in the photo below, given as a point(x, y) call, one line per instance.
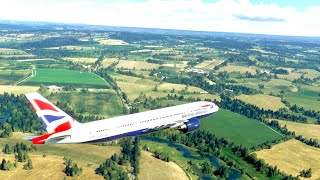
point(105, 104)
point(308, 97)
point(66, 77)
point(238, 128)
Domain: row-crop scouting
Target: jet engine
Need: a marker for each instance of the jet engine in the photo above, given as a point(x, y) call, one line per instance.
point(192, 125)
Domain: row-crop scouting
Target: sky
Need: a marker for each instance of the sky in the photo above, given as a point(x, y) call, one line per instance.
point(280, 17)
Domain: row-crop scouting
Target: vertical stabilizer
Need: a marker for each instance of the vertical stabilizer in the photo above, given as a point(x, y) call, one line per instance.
point(52, 118)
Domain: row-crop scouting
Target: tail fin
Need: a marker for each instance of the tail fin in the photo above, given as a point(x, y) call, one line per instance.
point(52, 118)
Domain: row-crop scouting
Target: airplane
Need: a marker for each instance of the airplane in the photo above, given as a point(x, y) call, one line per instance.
point(63, 129)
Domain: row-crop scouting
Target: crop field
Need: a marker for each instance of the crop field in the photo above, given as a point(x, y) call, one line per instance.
point(308, 97)
point(310, 73)
point(46, 168)
point(204, 96)
point(81, 59)
point(164, 170)
point(134, 86)
point(66, 77)
point(240, 69)
point(11, 51)
point(179, 64)
point(9, 79)
point(112, 42)
point(272, 86)
point(238, 128)
point(292, 157)
point(106, 104)
point(263, 101)
point(125, 64)
point(108, 61)
point(209, 64)
point(291, 76)
point(305, 130)
point(17, 89)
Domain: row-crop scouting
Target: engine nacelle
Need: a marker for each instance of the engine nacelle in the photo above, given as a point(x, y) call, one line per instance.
point(192, 125)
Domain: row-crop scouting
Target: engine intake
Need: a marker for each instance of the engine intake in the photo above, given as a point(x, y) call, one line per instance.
point(192, 125)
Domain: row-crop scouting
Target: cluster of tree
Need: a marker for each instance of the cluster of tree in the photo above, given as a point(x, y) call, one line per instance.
point(18, 147)
point(280, 71)
point(130, 154)
point(304, 80)
point(69, 88)
point(280, 61)
point(28, 165)
point(162, 156)
point(310, 142)
point(306, 173)
point(132, 37)
point(309, 113)
point(51, 42)
point(22, 117)
point(110, 169)
point(129, 73)
point(72, 168)
point(5, 165)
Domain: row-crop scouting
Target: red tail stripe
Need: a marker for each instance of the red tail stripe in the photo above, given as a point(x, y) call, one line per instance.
point(44, 106)
point(206, 105)
point(42, 139)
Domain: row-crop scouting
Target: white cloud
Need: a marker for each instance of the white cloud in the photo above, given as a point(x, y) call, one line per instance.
point(223, 15)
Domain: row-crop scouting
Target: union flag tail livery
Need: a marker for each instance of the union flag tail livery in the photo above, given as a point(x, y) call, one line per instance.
point(52, 118)
point(63, 129)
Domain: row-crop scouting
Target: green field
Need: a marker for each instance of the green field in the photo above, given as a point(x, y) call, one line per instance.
point(106, 104)
point(307, 97)
point(66, 77)
point(238, 128)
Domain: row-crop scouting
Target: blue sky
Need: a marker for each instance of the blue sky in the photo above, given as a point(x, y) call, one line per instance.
point(283, 17)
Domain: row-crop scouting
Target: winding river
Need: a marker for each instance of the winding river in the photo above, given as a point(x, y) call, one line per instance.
point(233, 175)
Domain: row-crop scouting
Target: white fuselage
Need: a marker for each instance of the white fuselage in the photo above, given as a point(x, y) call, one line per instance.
point(134, 124)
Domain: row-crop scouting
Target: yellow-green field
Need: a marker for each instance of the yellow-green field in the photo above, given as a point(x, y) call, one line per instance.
point(274, 85)
point(108, 61)
point(112, 42)
point(305, 130)
point(291, 76)
point(262, 101)
point(292, 157)
point(136, 65)
point(11, 51)
point(18, 89)
point(134, 86)
point(240, 69)
point(152, 168)
point(209, 64)
point(81, 59)
point(310, 73)
point(46, 168)
point(181, 65)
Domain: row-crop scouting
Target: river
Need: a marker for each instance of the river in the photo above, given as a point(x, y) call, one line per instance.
point(233, 175)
